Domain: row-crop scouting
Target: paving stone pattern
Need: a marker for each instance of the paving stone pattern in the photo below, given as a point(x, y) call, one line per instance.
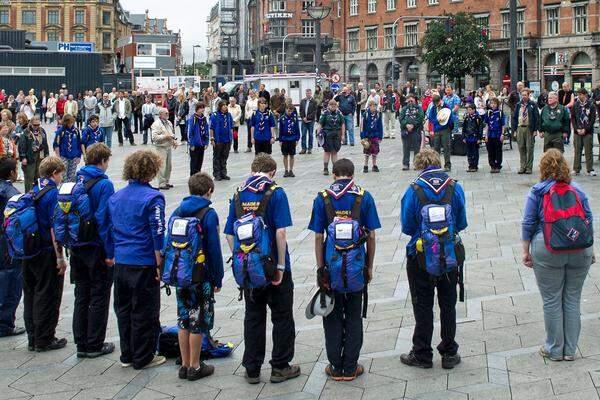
point(500, 325)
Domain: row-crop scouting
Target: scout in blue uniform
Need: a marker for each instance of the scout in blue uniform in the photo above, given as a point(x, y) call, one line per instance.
point(262, 127)
point(289, 134)
point(495, 121)
point(221, 133)
point(343, 327)
point(138, 215)
point(68, 146)
point(372, 131)
point(92, 133)
point(279, 295)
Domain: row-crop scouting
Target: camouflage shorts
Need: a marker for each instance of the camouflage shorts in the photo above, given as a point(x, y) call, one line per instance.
point(196, 308)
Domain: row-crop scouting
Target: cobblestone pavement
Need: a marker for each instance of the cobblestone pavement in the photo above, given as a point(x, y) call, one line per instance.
point(500, 325)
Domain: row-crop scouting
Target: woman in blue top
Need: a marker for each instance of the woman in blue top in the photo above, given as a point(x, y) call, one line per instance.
point(289, 134)
point(559, 276)
point(372, 130)
point(68, 146)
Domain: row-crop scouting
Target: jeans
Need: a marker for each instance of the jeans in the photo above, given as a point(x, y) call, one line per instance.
point(11, 287)
point(410, 142)
point(349, 122)
point(108, 133)
point(344, 332)
point(560, 279)
point(87, 114)
point(442, 140)
point(307, 131)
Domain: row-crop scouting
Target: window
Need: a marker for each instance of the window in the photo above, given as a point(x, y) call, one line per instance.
point(80, 17)
point(371, 38)
point(483, 21)
point(277, 5)
point(580, 18)
point(353, 40)
point(389, 37)
point(433, 2)
point(411, 3)
point(552, 21)
point(353, 7)
point(53, 36)
point(4, 17)
point(506, 24)
point(278, 27)
point(106, 18)
point(391, 5)
point(307, 3)
point(32, 71)
point(371, 6)
point(144, 49)
point(106, 40)
point(411, 36)
point(339, 9)
point(79, 37)
point(163, 50)
point(308, 28)
point(28, 17)
point(53, 17)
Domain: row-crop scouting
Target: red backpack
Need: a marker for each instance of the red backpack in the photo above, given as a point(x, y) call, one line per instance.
point(566, 228)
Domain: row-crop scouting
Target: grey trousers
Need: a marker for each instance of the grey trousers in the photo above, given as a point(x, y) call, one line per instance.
point(164, 173)
point(410, 143)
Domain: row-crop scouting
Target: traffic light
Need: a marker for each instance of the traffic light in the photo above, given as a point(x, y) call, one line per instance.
point(396, 71)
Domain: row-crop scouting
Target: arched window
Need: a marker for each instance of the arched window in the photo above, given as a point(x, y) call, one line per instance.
point(372, 75)
point(354, 73)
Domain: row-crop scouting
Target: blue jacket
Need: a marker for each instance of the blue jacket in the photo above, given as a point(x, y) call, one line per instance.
point(495, 121)
point(212, 243)
point(7, 190)
point(277, 214)
point(99, 196)
point(289, 128)
point(68, 142)
point(222, 126)
point(197, 128)
point(472, 128)
point(533, 216)
point(261, 124)
point(347, 104)
point(434, 182)
point(372, 125)
point(90, 136)
point(44, 209)
point(432, 117)
point(138, 215)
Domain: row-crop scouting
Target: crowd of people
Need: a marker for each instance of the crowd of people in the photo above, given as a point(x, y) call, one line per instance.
point(123, 240)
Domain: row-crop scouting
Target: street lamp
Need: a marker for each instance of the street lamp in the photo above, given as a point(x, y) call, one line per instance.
point(318, 13)
point(229, 30)
point(194, 58)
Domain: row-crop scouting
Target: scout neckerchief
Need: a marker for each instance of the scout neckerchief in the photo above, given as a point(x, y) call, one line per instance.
point(256, 183)
point(71, 133)
point(435, 179)
point(264, 116)
point(372, 119)
point(289, 123)
point(96, 134)
point(342, 186)
point(200, 119)
point(334, 119)
point(583, 113)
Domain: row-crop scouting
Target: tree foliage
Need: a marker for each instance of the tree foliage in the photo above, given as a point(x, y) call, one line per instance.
point(202, 68)
point(456, 47)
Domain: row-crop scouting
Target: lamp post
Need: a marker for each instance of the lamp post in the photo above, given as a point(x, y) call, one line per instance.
point(194, 58)
point(229, 30)
point(283, 49)
point(318, 13)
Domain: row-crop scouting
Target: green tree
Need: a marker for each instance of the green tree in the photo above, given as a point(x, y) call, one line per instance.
point(202, 68)
point(456, 46)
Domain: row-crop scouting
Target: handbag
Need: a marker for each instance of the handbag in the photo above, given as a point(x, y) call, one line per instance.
point(49, 114)
point(366, 143)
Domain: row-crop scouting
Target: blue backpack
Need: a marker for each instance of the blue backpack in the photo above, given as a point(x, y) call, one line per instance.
point(345, 254)
point(183, 251)
point(74, 223)
point(21, 225)
point(253, 265)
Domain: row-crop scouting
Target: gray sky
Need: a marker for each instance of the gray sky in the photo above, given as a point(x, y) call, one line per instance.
point(189, 16)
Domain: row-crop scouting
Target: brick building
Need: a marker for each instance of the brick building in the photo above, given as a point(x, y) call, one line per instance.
point(560, 40)
point(101, 22)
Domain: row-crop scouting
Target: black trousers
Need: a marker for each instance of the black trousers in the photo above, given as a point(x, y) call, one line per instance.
point(220, 156)
point(280, 300)
point(93, 280)
point(137, 305)
point(422, 289)
point(494, 148)
point(249, 137)
point(183, 131)
point(344, 332)
point(137, 122)
point(196, 159)
point(358, 115)
point(473, 154)
point(124, 124)
point(42, 294)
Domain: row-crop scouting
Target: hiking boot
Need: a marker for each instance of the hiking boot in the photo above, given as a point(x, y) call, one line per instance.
point(375, 168)
point(333, 374)
point(357, 372)
point(286, 174)
point(521, 172)
point(291, 174)
point(365, 169)
point(405, 168)
point(303, 151)
point(225, 177)
point(107, 348)
point(412, 360)
point(281, 375)
point(309, 151)
point(203, 371)
point(252, 378)
point(449, 362)
point(325, 171)
point(155, 362)
point(54, 344)
point(183, 373)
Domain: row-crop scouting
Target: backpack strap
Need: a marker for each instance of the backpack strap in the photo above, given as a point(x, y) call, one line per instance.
point(329, 210)
point(264, 202)
point(201, 213)
point(90, 184)
point(41, 193)
point(423, 199)
point(356, 207)
point(449, 194)
point(237, 205)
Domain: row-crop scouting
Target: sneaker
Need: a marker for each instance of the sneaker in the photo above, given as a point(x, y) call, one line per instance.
point(169, 185)
point(325, 171)
point(357, 372)
point(203, 371)
point(218, 178)
point(303, 151)
point(449, 362)
point(248, 150)
point(17, 330)
point(576, 173)
point(54, 344)
point(279, 375)
point(291, 174)
point(375, 168)
point(545, 354)
point(155, 362)
point(286, 174)
point(235, 151)
point(521, 172)
point(528, 172)
point(351, 144)
point(568, 358)
point(405, 168)
point(126, 364)
point(225, 177)
point(107, 348)
point(411, 360)
point(447, 169)
point(164, 187)
point(592, 173)
point(365, 169)
point(183, 372)
point(333, 374)
point(309, 151)
point(252, 378)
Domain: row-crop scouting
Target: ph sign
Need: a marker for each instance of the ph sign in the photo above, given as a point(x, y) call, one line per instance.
point(75, 47)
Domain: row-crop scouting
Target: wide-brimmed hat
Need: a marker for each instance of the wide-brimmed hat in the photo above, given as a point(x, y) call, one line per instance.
point(321, 304)
point(443, 116)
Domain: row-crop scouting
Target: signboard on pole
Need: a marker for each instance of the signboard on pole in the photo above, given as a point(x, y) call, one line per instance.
point(335, 87)
point(76, 47)
point(152, 84)
point(144, 62)
point(193, 83)
point(335, 78)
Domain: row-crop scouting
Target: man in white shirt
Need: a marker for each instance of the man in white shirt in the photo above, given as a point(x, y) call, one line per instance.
point(122, 109)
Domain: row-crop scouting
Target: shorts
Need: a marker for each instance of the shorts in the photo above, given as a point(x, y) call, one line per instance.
point(263, 146)
point(332, 142)
point(288, 148)
point(196, 308)
point(373, 149)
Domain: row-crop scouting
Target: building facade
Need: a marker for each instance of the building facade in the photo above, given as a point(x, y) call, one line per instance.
point(150, 54)
point(100, 22)
point(558, 41)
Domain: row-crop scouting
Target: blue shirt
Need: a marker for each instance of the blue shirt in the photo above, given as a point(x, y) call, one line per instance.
point(372, 125)
point(495, 121)
point(289, 127)
point(44, 209)
point(90, 136)
point(68, 142)
point(211, 242)
point(222, 126)
point(197, 128)
point(138, 215)
point(434, 183)
point(261, 123)
point(432, 117)
point(452, 101)
point(277, 214)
